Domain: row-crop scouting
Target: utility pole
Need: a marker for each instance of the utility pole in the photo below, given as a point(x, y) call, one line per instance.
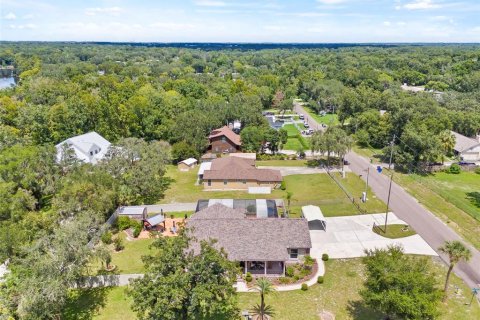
point(391, 151)
point(366, 184)
point(388, 202)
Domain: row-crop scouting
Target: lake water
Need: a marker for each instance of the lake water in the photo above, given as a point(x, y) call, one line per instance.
point(7, 82)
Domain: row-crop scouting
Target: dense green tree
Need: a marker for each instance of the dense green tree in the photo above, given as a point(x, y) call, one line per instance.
point(400, 286)
point(168, 292)
point(183, 150)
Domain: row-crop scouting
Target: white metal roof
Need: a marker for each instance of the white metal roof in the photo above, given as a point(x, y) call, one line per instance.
point(89, 147)
point(134, 210)
point(204, 166)
point(156, 220)
point(189, 161)
point(312, 213)
point(262, 209)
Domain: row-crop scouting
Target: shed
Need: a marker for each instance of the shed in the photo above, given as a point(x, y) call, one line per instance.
point(134, 212)
point(187, 164)
point(315, 218)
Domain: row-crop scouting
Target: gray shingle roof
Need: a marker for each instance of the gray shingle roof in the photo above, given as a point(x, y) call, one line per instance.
point(233, 168)
point(463, 143)
point(250, 239)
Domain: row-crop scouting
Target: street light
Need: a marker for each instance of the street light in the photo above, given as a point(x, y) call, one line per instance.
point(474, 293)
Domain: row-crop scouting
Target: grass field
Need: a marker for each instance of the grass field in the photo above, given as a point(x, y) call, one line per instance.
point(453, 198)
point(394, 231)
point(371, 153)
point(294, 141)
point(338, 294)
point(328, 119)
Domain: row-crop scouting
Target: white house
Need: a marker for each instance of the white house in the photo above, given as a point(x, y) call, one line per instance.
point(89, 147)
point(467, 148)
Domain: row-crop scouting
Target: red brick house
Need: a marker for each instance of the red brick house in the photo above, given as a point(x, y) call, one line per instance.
point(224, 140)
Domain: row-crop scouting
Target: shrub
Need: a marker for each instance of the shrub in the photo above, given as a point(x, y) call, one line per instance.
point(304, 287)
point(124, 223)
point(284, 280)
point(455, 169)
point(296, 277)
point(136, 231)
point(107, 237)
point(320, 279)
point(309, 261)
point(477, 171)
point(283, 185)
point(290, 271)
point(324, 257)
point(118, 243)
point(303, 273)
point(248, 277)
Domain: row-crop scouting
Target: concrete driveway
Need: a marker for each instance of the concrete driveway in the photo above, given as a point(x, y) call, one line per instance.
point(348, 237)
point(287, 171)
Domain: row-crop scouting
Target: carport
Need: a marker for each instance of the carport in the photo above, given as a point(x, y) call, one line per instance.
point(315, 218)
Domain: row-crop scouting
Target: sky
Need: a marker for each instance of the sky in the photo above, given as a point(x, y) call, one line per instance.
point(320, 21)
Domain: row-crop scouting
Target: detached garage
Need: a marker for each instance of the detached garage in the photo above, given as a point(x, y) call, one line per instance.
point(315, 218)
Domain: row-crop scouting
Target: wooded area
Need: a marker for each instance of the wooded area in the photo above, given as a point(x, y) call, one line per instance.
point(149, 101)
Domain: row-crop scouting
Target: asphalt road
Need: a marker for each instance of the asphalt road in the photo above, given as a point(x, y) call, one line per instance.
point(407, 208)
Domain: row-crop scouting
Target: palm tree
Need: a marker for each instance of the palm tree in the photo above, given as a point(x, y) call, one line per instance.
point(264, 287)
point(289, 199)
point(447, 142)
point(456, 252)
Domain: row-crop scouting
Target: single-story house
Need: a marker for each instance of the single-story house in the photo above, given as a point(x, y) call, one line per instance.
point(187, 164)
point(232, 173)
point(224, 140)
point(315, 218)
point(262, 246)
point(133, 212)
point(89, 147)
point(467, 148)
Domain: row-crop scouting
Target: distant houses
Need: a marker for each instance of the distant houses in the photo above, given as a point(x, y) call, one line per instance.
point(235, 173)
point(468, 149)
point(224, 140)
point(88, 148)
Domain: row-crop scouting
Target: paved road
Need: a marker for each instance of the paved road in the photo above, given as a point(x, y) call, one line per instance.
point(426, 224)
point(118, 280)
point(407, 208)
point(308, 118)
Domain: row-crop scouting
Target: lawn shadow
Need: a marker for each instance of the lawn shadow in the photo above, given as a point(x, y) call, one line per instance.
point(360, 311)
point(474, 198)
point(83, 304)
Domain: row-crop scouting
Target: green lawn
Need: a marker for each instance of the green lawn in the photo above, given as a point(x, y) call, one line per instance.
point(328, 119)
point(447, 196)
point(338, 294)
point(370, 153)
point(129, 260)
point(291, 130)
point(394, 231)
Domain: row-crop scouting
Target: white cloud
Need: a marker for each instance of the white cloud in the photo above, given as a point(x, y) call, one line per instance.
point(210, 3)
point(303, 14)
point(28, 16)
point(10, 16)
point(387, 23)
point(331, 1)
point(419, 5)
point(114, 11)
point(275, 28)
point(23, 26)
point(315, 30)
point(172, 25)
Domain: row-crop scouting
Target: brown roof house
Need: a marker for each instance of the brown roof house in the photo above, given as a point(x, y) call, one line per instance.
point(224, 140)
point(232, 173)
point(262, 246)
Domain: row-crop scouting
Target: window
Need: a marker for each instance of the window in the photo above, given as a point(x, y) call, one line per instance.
point(244, 181)
point(91, 153)
point(225, 182)
point(293, 253)
point(223, 139)
point(209, 182)
point(96, 151)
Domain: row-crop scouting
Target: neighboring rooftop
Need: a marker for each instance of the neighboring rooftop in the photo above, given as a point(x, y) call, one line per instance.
point(133, 210)
point(233, 168)
point(89, 147)
point(463, 143)
point(247, 239)
point(227, 132)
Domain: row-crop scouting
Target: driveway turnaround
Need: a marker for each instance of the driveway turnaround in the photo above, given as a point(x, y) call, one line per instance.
point(350, 236)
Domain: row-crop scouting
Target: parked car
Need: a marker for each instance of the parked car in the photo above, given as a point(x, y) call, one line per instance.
point(346, 162)
point(306, 125)
point(301, 116)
